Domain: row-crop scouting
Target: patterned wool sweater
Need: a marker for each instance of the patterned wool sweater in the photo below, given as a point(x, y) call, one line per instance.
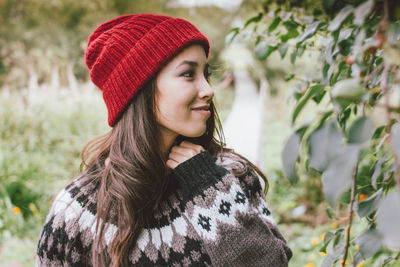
point(214, 218)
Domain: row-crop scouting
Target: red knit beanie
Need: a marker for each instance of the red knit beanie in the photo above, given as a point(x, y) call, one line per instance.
point(124, 53)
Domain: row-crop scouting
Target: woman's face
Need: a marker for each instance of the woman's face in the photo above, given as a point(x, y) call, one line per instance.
point(183, 94)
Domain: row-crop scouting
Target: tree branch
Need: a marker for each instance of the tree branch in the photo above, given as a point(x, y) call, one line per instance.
point(350, 214)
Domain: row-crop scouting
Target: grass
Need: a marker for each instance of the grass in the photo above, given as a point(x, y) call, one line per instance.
point(39, 154)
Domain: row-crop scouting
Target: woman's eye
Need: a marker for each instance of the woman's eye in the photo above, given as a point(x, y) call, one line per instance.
point(188, 74)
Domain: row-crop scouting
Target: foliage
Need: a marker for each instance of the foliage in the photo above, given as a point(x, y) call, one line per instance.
point(353, 144)
point(43, 40)
point(40, 142)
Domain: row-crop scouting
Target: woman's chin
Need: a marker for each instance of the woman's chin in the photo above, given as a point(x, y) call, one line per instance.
point(194, 134)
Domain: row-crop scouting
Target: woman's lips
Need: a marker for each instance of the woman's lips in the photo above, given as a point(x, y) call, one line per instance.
point(204, 112)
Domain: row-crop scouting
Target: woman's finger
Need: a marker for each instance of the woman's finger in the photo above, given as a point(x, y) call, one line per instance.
point(177, 157)
point(187, 144)
point(171, 164)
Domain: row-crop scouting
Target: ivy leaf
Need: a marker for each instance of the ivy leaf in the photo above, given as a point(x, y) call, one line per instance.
point(289, 157)
point(313, 90)
point(324, 144)
point(274, 24)
point(309, 31)
point(361, 130)
point(362, 11)
point(369, 205)
point(283, 48)
point(369, 243)
point(338, 176)
point(337, 21)
point(388, 220)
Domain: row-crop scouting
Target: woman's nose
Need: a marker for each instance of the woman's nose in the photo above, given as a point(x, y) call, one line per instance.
point(205, 90)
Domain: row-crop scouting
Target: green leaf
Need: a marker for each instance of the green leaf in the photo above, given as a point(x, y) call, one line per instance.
point(334, 253)
point(289, 77)
point(369, 243)
point(369, 205)
point(338, 176)
point(378, 170)
point(313, 90)
point(263, 50)
point(302, 130)
point(274, 24)
point(362, 11)
point(393, 35)
point(358, 258)
point(231, 35)
point(324, 144)
point(289, 157)
point(293, 56)
point(318, 97)
point(292, 33)
point(254, 19)
point(361, 130)
point(309, 31)
point(285, 16)
point(337, 21)
point(349, 89)
point(388, 220)
point(283, 48)
point(290, 24)
point(329, 213)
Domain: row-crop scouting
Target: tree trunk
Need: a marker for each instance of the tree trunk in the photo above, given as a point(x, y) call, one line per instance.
point(73, 85)
point(33, 84)
point(55, 80)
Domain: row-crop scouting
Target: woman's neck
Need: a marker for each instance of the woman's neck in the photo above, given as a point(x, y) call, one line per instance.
point(168, 142)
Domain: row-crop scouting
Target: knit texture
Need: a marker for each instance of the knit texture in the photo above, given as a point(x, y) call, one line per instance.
point(210, 218)
point(123, 54)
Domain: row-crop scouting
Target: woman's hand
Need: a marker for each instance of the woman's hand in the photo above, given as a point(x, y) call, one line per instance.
point(183, 152)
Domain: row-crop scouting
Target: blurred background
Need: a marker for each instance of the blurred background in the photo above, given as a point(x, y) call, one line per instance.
point(49, 109)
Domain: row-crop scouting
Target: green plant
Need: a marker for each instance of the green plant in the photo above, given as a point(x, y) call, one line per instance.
point(353, 143)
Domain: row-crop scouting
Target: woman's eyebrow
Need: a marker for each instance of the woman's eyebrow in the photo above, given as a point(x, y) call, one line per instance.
point(188, 62)
point(193, 64)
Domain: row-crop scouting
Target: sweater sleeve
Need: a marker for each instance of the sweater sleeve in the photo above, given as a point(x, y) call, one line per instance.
point(229, 215)
point(60, 241)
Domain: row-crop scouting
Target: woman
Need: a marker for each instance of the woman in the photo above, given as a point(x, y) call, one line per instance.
point(159, 189)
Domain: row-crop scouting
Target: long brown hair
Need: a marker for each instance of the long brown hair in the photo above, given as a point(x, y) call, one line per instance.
point(133, 175)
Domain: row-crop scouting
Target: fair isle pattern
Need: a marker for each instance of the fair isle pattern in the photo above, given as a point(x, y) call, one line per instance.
point(187, 228)
point(206, 219)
